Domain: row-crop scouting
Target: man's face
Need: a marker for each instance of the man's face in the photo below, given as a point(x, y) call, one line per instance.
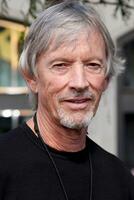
point(70, 81)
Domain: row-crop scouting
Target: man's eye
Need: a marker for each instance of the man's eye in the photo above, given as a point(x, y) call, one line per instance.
point(60, 67)
point(94, 67)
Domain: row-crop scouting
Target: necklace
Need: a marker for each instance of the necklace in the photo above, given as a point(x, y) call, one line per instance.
point(36, 128)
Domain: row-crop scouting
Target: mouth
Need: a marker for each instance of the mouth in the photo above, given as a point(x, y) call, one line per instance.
point(76, 100)
point(77, 103)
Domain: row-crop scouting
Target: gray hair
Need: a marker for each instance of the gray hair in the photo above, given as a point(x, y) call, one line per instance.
point(62, 22)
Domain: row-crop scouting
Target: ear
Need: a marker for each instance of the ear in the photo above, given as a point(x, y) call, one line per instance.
point(31, 82)
point(105, 84)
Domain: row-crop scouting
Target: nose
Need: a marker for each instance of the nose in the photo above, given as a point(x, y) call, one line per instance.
point(78, 79)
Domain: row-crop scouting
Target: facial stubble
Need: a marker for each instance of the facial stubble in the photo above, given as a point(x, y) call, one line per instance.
point(71, 121)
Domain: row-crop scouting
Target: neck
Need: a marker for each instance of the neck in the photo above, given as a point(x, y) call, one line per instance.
point(59, 137)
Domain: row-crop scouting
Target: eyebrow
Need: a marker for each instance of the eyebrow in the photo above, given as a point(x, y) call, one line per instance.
point(93, 58)
point(68, 60)
point(60, 59)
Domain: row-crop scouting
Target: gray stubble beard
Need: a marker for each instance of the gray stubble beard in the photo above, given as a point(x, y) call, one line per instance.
point(67, 120)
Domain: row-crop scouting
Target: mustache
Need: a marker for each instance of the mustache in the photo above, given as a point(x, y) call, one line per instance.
point(76, 94)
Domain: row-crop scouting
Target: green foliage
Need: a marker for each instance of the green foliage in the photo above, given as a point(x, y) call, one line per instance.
point(124, 7)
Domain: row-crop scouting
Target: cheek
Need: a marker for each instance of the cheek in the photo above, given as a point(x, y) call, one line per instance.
point(98, 83)
point(50, 88)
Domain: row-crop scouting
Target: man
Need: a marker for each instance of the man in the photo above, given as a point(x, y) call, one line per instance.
point(67, 61)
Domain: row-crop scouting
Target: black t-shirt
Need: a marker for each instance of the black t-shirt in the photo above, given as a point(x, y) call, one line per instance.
point(27, 173)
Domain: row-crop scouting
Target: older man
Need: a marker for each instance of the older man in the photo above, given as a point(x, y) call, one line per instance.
point(67, 62)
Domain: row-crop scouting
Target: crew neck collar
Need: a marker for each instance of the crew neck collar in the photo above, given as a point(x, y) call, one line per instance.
point(72, 155)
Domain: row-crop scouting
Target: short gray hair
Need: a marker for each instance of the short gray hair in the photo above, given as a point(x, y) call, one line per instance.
point(63, 21)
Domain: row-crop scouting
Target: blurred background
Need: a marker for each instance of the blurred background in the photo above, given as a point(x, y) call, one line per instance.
point(113, 126)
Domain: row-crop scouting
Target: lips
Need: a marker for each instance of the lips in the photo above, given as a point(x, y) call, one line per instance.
point(77, 103)
point(77, 100)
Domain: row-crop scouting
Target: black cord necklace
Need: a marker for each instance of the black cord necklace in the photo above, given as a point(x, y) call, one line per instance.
point(36, 128)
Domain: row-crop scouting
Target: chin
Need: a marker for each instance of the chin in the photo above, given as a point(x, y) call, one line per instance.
point(75, 122)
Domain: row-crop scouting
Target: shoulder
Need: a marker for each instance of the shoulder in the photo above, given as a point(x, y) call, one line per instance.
point(12, 140)
point(15, 147)
point(108, 165)
point(103, 157)
point(110, 172)
point(10, 136)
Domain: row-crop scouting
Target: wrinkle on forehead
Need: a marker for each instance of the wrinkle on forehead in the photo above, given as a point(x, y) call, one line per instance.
point(71, 39)
point(92, 37)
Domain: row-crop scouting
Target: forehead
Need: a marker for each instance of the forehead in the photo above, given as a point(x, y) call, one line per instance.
point(85, 40)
